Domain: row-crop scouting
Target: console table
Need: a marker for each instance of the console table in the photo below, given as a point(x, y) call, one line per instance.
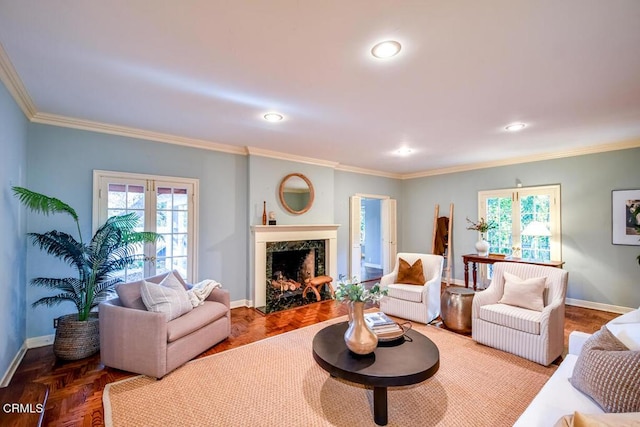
point(475, 259)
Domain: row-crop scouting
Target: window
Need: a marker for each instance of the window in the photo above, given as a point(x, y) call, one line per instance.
point(517, 211)
point(164, 205)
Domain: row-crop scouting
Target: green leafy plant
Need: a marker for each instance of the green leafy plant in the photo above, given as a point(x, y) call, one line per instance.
point(111, 249)
point(482, 226)
point(351, 290)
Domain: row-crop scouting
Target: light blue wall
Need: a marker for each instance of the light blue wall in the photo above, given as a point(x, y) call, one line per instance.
point(232, 188)
point(265, 175)
point(13, 142)
point(61, 163)
point(598, 270)
point(349, 184)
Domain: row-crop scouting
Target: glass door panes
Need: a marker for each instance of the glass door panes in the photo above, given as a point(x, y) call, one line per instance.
point(172, 222)
point(499, 211)
point(535, 208)
point(124, 198)
point(166, 207)
point(516, 209)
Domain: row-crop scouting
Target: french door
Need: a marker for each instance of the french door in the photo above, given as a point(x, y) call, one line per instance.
point(517, 212)
point(164, 205)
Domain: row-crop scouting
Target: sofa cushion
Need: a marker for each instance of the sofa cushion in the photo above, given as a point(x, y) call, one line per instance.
point(130, 296)
point(129, 293)
point(169, 297)
point(523, 293)
point(627, 333)
point(609, 373)
point(202, 315)
point(579, 419)
point(557, 398)
point(410, 274)
point(512, 317)
point(405, 292)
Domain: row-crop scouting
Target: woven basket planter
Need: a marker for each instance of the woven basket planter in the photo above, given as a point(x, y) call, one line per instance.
point(76, 339)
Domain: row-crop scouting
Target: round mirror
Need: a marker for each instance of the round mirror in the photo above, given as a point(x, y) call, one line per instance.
point(296, 193)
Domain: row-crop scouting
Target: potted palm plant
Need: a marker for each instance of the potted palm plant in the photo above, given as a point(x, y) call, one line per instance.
point(112, 248)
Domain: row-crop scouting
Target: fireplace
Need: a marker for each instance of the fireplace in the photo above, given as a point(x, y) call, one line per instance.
point(284, 256)
point(289, 265)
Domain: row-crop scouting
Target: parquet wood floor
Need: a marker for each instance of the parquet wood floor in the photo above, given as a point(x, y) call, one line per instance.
point(75, 388)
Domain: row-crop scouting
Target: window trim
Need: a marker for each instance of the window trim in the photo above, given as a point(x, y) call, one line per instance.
point(98, 206)
point(555, 211)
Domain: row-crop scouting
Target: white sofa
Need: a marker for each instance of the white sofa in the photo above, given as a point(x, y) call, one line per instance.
point(558, 397)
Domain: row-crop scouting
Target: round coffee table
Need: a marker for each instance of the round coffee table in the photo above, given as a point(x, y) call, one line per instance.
point(406, 361)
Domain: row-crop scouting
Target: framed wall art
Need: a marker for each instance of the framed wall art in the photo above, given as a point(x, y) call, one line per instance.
point(625, 217)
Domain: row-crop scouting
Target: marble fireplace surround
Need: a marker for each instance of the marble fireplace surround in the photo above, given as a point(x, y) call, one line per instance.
point(262, 234)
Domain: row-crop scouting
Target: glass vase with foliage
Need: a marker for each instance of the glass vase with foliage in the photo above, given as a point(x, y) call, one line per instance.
point(113, 247)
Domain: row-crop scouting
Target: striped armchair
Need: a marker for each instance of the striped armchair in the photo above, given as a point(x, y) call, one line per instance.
point(533, 335)
point(414, 302)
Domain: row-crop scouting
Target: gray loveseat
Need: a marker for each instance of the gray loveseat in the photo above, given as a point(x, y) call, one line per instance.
point(136, 340)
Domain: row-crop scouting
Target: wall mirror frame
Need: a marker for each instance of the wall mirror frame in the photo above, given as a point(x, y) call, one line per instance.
point(296, 193)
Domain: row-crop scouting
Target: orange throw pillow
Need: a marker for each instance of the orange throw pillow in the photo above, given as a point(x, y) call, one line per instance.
point(410, 274)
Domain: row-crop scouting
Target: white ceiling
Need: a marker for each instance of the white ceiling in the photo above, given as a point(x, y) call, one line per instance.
point(208, 70)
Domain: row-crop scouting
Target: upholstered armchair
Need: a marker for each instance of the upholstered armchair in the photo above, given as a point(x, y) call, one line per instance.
point(419, 303)
point(534, 333)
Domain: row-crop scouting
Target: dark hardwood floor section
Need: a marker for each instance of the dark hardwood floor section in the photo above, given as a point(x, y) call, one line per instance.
point(75, 388)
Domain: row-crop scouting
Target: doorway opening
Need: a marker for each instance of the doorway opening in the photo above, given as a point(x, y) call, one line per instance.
point(373, 236)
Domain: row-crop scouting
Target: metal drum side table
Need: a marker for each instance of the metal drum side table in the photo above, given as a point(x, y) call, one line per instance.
point(455, 308)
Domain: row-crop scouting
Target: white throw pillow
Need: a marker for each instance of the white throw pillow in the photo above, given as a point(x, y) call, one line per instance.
point(523, 293)
point(168, 297)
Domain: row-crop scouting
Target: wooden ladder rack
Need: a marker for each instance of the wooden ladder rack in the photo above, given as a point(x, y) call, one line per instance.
point(447, 248)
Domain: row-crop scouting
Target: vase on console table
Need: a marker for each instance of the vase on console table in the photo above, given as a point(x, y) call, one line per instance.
point(358, 337)
point(482, 246)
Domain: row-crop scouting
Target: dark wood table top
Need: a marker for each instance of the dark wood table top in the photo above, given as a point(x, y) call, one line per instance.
point(406, 361)
point(491, 258)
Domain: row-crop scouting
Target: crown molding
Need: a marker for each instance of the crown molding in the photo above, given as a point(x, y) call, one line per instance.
point(14, 85)
point(355, 169)
point(254, 151)
point(70, 122)
point(595, 149)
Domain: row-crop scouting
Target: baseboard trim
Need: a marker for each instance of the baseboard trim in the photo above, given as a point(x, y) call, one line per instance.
point(241, 303)
point(41, 341)
point(598, 306)
point(13, 366)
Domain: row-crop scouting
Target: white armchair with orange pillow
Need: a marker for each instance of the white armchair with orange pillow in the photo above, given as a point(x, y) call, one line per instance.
point(414, 287)
point(522, 311)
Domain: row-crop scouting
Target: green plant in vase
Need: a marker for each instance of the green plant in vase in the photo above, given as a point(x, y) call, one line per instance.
point(358, 337)
point(113, 247)
point(482, 226)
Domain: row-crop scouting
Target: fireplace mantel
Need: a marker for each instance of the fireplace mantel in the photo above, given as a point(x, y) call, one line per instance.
point(284, 233)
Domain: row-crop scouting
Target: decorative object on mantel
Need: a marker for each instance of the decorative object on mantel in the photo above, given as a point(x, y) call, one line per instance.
point(359, 338)
point(482, 226)
point(272, 218)
point(264, 213)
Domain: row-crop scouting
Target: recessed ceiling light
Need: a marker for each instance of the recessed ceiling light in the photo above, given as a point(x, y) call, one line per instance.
point(514, 127)
point(404, 151)
point(386, 49)
point(273, 117)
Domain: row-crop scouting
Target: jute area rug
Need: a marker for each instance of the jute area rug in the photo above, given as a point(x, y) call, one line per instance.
point(276, 382)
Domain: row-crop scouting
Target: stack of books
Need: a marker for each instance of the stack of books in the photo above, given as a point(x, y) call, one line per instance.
point(383, 326)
